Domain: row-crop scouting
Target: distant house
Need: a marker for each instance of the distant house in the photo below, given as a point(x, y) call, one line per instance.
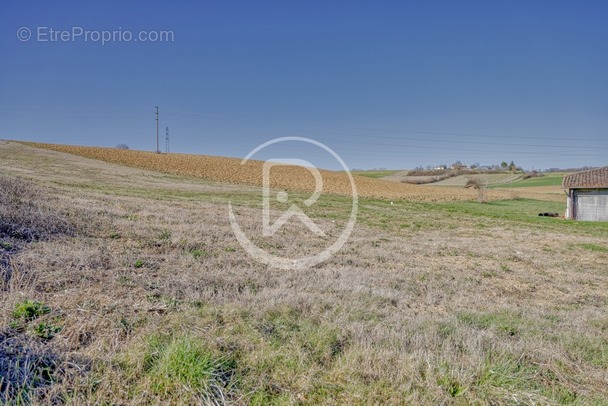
point(587, 195)
point(458, 165)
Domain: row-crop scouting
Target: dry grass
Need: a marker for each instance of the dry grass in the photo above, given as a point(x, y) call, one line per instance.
point(423, 305)
point(29, 363)
point(26, 215)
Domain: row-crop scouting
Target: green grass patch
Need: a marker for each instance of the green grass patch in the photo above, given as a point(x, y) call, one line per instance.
point(199, 253)
point(292, 355)
point(375, 174)
point(520, 212)
point(451, 384)
point(184, 366)
point(508, 373)
point(593, 247)
point(586, 348)
point(547, 180)
point(515, 210)
point(504, 322)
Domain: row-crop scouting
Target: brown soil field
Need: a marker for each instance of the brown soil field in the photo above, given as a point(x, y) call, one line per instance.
point(230, 170)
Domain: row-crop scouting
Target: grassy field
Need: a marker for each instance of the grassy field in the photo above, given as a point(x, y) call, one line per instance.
point(547, 187)
point(486, 179)
point(121, 285)
point(550, 179)
point(374, 174)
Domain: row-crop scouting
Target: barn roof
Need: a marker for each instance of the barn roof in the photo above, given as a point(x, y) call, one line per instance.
point(594, 178)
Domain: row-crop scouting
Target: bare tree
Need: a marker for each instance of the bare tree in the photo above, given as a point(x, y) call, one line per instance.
point(122, 146)
point(479, 185)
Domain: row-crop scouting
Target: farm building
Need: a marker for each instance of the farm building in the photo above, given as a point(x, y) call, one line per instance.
point(587, 195)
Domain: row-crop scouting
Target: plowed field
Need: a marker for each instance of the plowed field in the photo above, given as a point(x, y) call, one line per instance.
point(294, 178)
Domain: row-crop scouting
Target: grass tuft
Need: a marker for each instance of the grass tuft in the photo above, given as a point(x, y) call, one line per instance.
point(183, 368)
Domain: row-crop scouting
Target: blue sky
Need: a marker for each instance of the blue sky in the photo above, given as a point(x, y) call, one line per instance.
point(392, 84)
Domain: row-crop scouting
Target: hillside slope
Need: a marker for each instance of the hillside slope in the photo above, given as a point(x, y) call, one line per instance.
point(230, 170)
point(124, 286)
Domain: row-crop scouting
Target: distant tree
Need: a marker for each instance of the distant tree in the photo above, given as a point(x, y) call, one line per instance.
point(458, 165)
point(512, 167)
point(504, 165)
point(122, 146)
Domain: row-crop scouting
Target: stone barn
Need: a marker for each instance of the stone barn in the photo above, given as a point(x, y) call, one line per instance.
point(587, 195)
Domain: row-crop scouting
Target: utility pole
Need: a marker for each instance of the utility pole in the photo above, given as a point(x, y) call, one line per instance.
point(167, 140)
point(157, 149)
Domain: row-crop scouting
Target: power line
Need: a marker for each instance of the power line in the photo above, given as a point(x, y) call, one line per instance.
point(397, 131)
point(401, 144)
point(469, 142)
point(467, 134)
point(395, 149)
point(420, 142)
point(477, 142)
point(96, 112)
point(547, 149)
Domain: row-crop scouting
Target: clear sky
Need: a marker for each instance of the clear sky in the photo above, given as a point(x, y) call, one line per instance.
point(392, 84)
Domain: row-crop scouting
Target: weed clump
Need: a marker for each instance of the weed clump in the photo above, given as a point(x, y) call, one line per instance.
point(29, 310)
